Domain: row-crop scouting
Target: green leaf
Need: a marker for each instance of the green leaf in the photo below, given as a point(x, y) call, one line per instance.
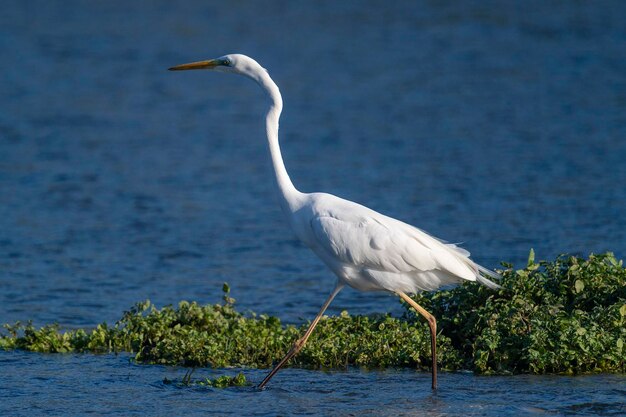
point(531, 257)
point(579, 285)
point(622, 310)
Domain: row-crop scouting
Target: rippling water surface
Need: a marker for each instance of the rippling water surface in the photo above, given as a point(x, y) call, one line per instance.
point(499, 126)
point(88, 384)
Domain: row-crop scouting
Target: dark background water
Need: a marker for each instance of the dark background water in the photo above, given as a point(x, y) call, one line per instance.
point(496, 124)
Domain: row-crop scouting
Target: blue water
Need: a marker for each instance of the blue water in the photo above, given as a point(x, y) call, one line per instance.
point(498, 125)
point(109, 385)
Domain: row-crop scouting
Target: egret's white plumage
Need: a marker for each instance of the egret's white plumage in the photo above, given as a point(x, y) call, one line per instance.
point(365, 249)
point(370, 251)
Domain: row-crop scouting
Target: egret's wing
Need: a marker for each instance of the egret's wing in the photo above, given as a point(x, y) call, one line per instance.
point(384, 244)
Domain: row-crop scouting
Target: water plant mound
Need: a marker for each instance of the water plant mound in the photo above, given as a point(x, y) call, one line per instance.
point(565, 316)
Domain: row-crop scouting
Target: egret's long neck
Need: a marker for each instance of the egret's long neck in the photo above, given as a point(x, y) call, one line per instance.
point(289, 195)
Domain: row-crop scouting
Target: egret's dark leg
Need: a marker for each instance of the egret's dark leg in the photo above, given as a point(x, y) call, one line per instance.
point(300, 342)
point(432, 323)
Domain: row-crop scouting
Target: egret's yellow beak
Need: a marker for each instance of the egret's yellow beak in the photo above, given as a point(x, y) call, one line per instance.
point(210, 64)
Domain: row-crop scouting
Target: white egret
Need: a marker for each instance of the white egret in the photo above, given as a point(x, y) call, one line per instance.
point(365, 249)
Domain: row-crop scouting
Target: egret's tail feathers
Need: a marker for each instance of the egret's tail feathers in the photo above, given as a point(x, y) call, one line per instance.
point(490, 274)
point(487, 283)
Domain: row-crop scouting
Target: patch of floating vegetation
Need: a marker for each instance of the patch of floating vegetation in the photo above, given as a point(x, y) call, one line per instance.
point(565, 316)
point(223, 381)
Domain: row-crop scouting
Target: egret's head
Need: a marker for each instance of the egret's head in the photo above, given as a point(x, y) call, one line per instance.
point(233, 63)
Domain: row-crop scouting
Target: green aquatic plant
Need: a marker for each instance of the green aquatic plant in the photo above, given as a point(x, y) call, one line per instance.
point(223, 381)
point(565, 316)
point(49, 339)
point(219, 336)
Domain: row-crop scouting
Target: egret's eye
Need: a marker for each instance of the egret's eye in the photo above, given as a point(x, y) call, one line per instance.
point(226, 62)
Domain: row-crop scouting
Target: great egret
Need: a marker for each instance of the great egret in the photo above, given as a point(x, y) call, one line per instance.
point(365, 249)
